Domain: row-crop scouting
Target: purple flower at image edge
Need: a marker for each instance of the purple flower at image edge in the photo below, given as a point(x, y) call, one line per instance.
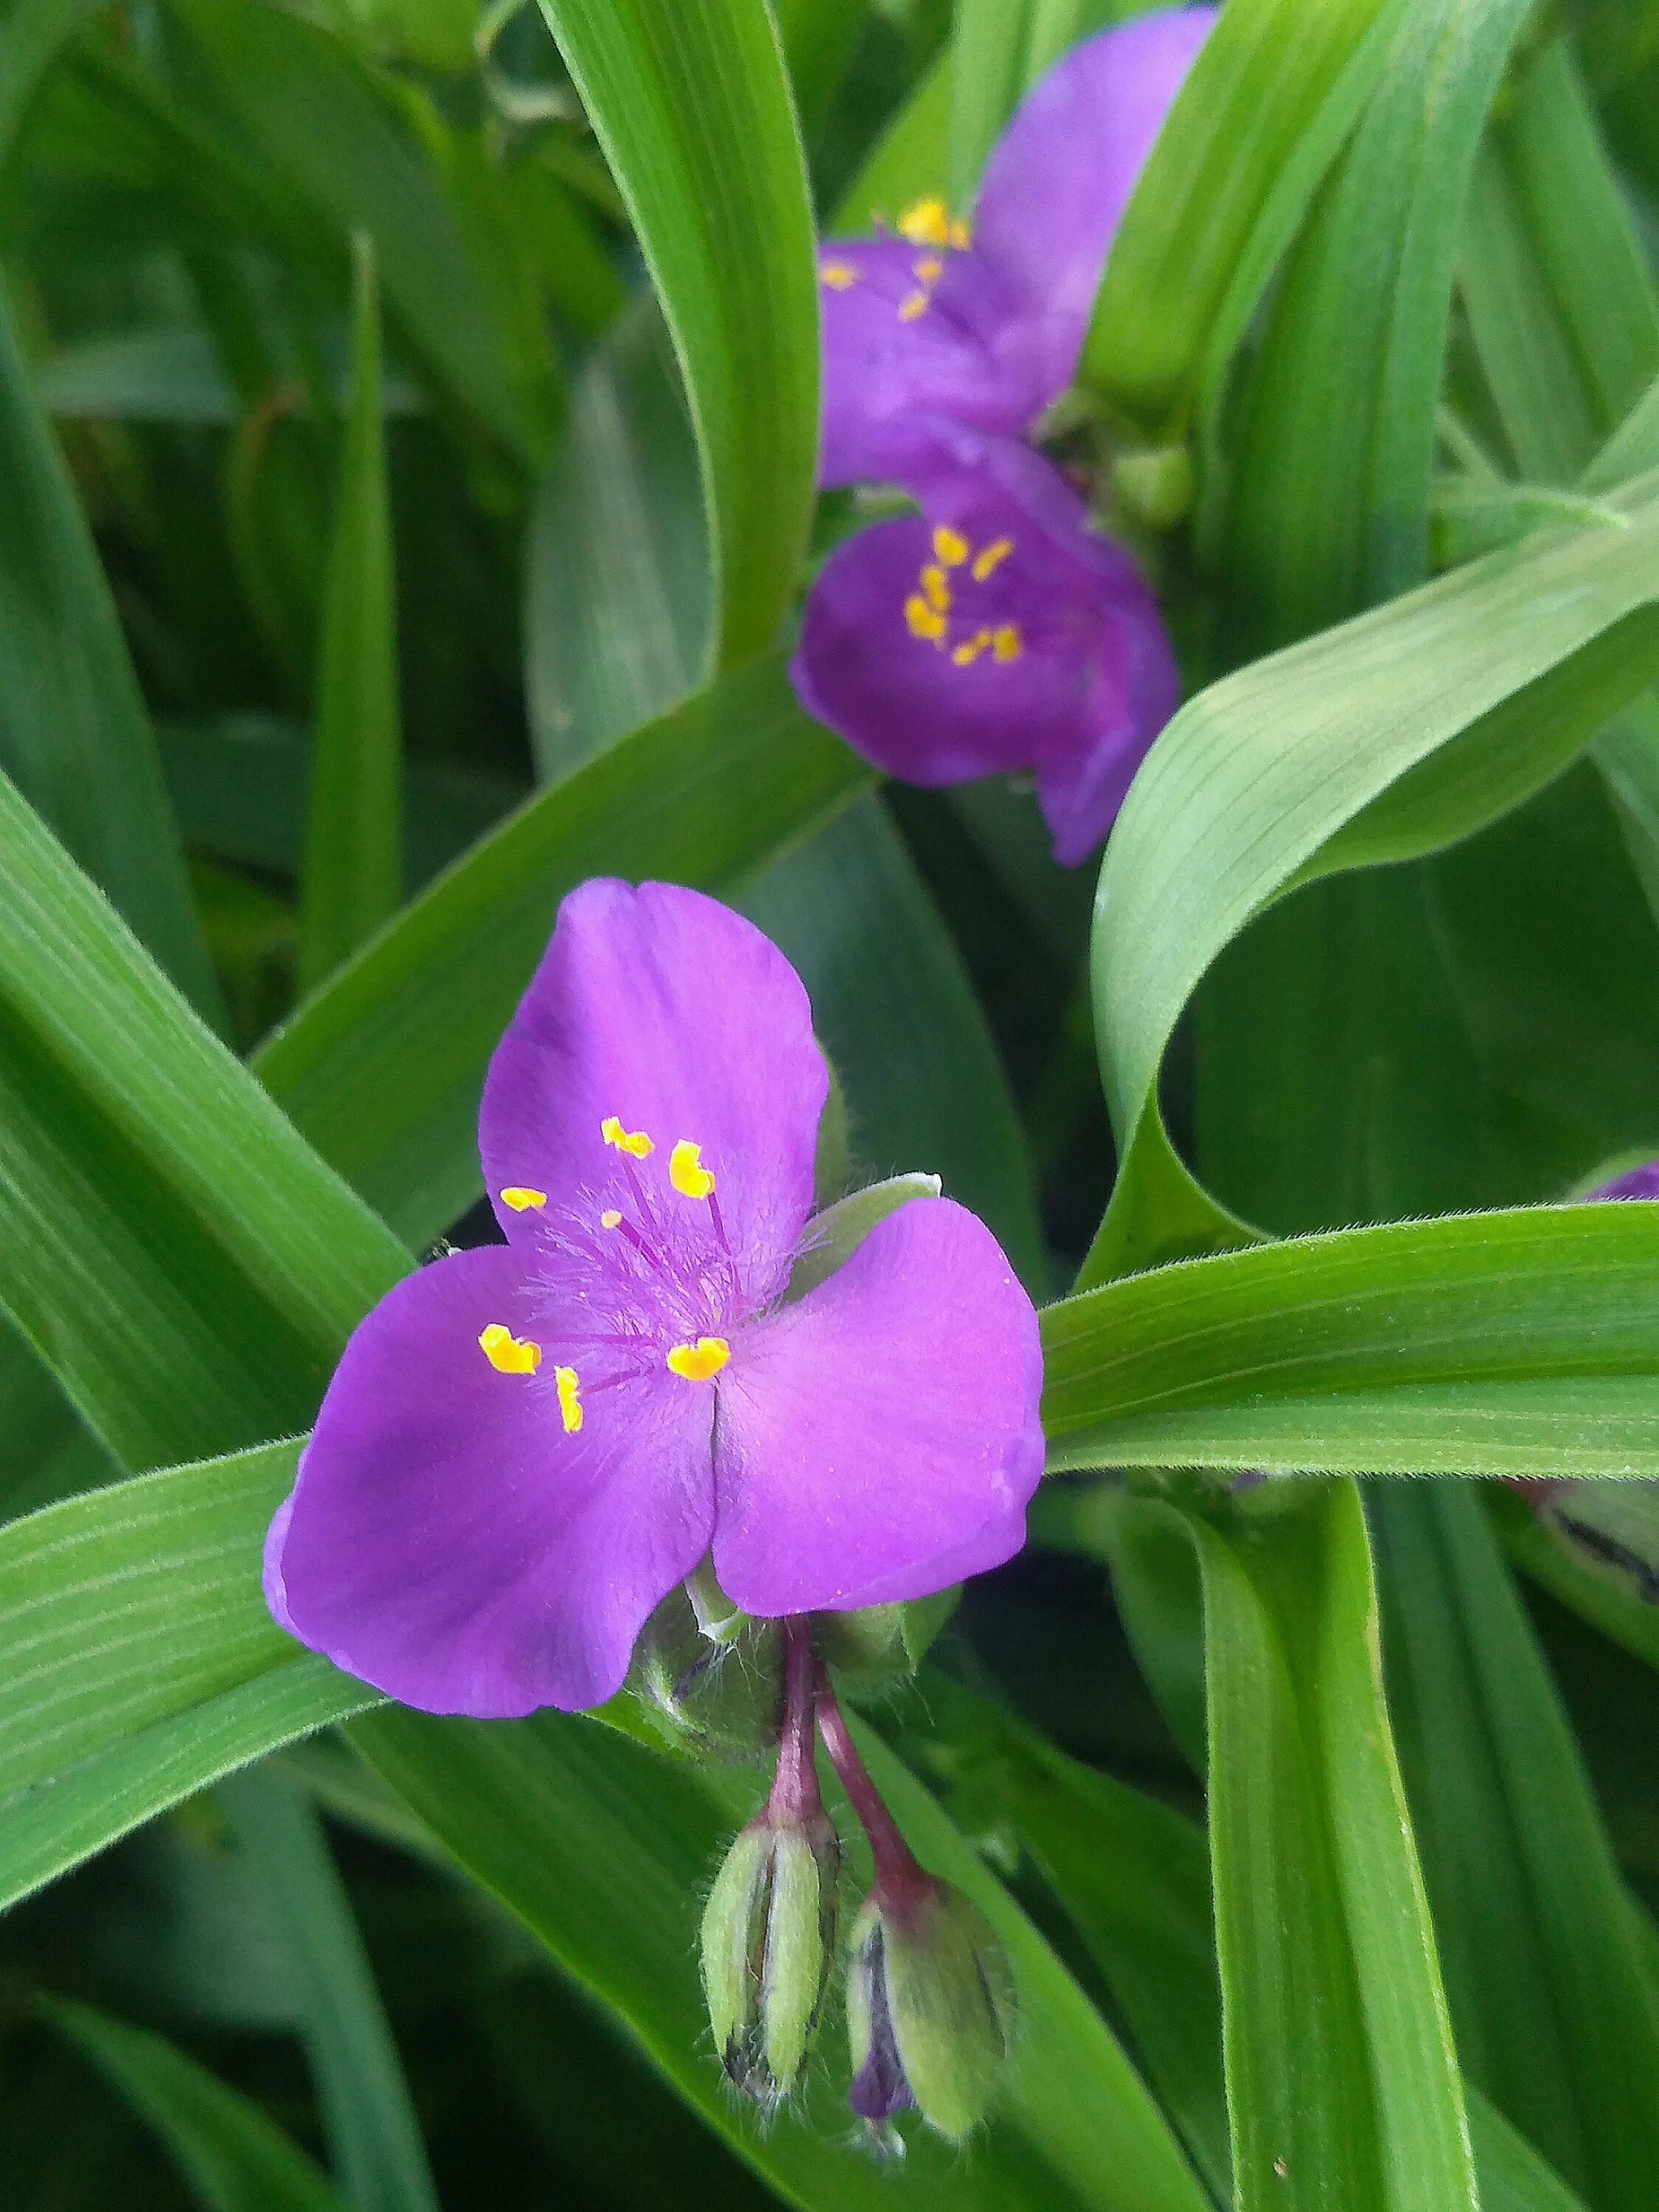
point(985, 328)
point(999, 633)
point(1636, 1182)
point(993, 632)
point(525, 1448)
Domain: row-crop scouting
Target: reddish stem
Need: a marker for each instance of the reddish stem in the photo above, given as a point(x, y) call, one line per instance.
point(795, 1795)
point(901, 1887)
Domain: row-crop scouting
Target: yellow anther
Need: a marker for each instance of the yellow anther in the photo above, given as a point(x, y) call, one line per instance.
point(967, 653)
point(521, 1200)
point(928, 269)
point(935, 588)
point(1007, 643)
point(951, 546)
point(924, 621)
point(506, 1353)
point(570, 1404)
point(686, 1171)
point(926, 222)
point(700, 1362)
point(614, 1134)
point(961, 235)
point(992, 558)
point(839, 276)
point(912, 305)
point(610, 1218)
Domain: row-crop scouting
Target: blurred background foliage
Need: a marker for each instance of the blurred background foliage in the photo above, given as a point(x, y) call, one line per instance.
point(331, 322)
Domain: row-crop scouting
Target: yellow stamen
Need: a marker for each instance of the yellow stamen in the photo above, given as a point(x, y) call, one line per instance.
point(614, 1134)
point(961, 234)
point(686, 1171)
point(506, 1353)
point(912, 305)
point(839, 276)
point(925, 621)
point(928, 269)
point(967, 653)
point(1007, 643)
point(951, 546)
point(521, 1200)
point(935, 588)
point(702, 1361)
point(610, 1218)
point(992, 558)
point(570, 1404)
point(925, 222)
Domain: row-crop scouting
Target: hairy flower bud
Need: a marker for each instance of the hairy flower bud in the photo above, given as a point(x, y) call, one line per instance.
point(714, 1690)
point(930, 2010)
point(874, 1652)
point(768, 1938)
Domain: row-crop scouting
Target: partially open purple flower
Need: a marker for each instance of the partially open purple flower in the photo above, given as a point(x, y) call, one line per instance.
point(525, 1448)
point(1637, 1182)
point(986, 330)
point(993, 632)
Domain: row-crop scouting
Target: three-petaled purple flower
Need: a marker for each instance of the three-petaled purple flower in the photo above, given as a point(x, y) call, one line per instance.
point(524, 1449)
point(999, 632)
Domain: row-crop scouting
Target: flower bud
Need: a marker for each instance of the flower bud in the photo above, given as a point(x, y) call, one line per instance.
point(930, 2010)
point(876, 1650)
point(768, 1938)
point(716, 1694)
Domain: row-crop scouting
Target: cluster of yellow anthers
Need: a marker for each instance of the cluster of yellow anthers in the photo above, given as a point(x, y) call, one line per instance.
point(927, 610)
point(698, 1362)
point(926, 222)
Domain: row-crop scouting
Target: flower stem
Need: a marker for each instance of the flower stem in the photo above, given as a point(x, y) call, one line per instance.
point(795, 1795)
point(900, 1886)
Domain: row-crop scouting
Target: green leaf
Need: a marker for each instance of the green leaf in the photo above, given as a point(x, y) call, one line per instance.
point(233, 2156)
point(1516, 1344)
point(353, 859)
point(323, 136)
point(1396, 733)
point(182, 1260)
point(1258, 88)
point(383, 1068)
point(1328, 509)
point(1553, 2016)
point(36, 32)
point(988, 48)
point(728, 242)
point(602, 1848)
point(1342, 2083)
point(898, 1015)
point(367, 2110)
point(74, 733)
point(139, 1661)
point(909, 162)
point(617, 583)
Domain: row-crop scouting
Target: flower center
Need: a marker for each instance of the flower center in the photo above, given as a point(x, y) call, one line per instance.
point(951, 601)
point(646, 1282)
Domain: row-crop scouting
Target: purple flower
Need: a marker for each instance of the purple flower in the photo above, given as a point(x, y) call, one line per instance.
point(524, 1449)
point(998, 632)
point(1637, 1182)
point(993, 632)
point(987, 330)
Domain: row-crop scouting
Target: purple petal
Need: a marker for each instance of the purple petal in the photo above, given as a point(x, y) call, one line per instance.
point(1055, 660)
point(1061, 176)
point(880, 1440)
point(911, 331)
point(1637, 1182)
point(664, 1009)
point(448, 1541)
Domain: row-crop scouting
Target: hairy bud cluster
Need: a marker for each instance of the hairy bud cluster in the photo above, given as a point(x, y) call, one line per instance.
point(931, 2010)
point(768, 1942)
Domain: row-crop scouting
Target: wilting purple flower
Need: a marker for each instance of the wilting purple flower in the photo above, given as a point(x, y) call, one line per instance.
point(524, 1449)
point(986, 330)
point(993, 632)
